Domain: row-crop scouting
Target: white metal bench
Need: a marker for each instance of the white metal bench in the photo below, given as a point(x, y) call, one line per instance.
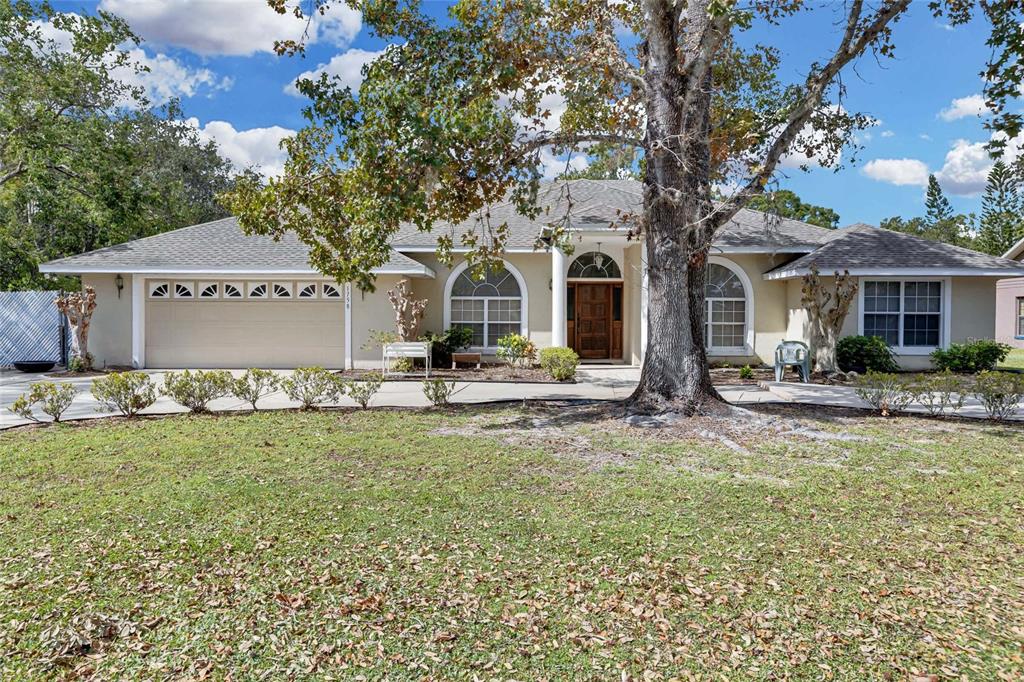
point(405, 349)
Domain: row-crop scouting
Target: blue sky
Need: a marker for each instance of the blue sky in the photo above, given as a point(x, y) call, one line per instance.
point(216, 56)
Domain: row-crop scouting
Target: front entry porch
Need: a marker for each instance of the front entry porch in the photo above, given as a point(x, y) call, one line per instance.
point(594, 320)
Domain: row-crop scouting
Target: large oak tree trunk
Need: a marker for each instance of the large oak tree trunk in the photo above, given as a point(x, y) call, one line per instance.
point(678, 232)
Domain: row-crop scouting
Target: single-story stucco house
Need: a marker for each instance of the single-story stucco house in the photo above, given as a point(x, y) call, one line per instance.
point(1010, 303)
point(210, 296)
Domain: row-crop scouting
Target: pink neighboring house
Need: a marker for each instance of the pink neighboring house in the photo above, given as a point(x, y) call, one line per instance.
point(1010, 303)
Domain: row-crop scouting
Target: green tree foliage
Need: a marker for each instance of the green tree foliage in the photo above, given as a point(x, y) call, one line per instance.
point(456, 116)
point(937, 208)
point(939, 223)
point(1002, 211)
point(84, 162)
point(787, 204)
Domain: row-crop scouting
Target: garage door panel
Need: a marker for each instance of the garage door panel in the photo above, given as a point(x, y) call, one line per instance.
point(245, 333)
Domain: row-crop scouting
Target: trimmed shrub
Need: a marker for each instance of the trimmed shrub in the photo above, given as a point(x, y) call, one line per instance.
point(255, 384)
point(438, 391)
point(559, 362)
point(79, 364)
point(362, 391)
point(127, 392)
point(864, 354)
point(516, 350)
point(312, 386)
point(746, 372)
point(196, 390)
point(1000, 393)
point(975, 356)
point(52, 400)
point(939, 393)
point(884, 392)
point(443, 345)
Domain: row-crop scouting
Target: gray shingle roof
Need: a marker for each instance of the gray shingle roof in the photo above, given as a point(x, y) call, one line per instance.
point(221, 246)
point(871, 250)
point(595, 204)
point(218, 246)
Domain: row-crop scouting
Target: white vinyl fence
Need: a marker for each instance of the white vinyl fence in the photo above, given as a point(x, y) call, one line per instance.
point(30, 327)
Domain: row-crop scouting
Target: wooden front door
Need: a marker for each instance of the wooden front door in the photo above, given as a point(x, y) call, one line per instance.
point(593, 321)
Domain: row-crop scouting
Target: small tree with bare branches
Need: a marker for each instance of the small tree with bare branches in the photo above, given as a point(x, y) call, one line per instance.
point(408, 311)
point(827, 308)
point(78, 307)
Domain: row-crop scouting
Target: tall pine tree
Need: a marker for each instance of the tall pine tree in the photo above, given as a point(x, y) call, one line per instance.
point(937, 206)
point(1002, 223)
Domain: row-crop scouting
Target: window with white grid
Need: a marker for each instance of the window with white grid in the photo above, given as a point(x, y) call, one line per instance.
point(906, 314)
point(491, 306)
point(725, 318)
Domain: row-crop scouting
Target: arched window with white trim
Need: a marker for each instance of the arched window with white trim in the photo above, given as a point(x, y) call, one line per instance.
point(491, 307)
point(726, 318)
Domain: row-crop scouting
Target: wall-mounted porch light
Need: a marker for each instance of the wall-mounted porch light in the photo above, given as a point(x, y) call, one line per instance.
point(119, 281)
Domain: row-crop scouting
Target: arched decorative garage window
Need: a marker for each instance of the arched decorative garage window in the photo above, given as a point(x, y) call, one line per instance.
point(595, 265)
point(492, 307)
point(726, 321)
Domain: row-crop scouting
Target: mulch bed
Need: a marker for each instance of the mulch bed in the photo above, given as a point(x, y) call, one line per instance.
point(487, 372)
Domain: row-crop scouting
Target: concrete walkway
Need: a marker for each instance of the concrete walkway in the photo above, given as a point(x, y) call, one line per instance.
point(846, 396)
point(593, 383)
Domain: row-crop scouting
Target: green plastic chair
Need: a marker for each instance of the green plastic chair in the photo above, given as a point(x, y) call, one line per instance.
point(793, 354)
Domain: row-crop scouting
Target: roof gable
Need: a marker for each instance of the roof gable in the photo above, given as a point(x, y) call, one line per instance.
point(863, 249)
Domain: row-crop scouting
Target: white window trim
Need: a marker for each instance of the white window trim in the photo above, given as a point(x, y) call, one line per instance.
point(202, 286)
point(238, 285)
point(596, 280)
point(153, 284)
point(300, 286)
point(748, 317)
point(338, 295)
point(252, 285)
point(524, 306)
point(945, 314)
point(288, 286)
point(191, 286)
point(1018, 316)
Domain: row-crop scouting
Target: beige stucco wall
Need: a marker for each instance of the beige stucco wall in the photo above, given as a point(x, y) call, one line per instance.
point(208, 333)
point(110, 337)
point(535, 269)
point(632, 302)
point(371, 311)
point(972, 314)
point(769, 308)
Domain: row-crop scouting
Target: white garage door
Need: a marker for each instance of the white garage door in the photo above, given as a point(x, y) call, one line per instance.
point(238, 324)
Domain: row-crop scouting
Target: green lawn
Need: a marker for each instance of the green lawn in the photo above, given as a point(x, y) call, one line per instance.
point(512, 544)
point(1015, 359)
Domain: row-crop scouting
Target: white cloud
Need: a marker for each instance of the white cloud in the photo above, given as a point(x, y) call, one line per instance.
point(553, 166)
point(897, 171)
point(162, 78)
point(963, 107)
point(347, 66)
point(256, 147)
point(166, 78)
point(966, 167)
point(232, 27)
point(888, 133)
point(926, 137)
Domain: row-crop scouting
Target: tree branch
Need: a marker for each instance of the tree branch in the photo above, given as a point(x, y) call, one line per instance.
point(852, 45)
point(555, 139)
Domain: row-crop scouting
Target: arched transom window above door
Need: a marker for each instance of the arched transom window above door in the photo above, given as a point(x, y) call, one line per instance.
point(491, 307)
point(595, 265)
point(726, 321)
